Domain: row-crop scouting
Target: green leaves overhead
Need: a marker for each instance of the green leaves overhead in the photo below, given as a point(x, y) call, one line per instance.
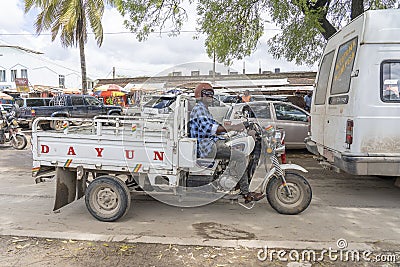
point(232, 27)
point(146, 17)
point(307, 24)
point(69, 19)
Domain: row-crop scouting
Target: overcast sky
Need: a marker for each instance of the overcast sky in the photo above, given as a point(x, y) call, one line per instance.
point(160, 54)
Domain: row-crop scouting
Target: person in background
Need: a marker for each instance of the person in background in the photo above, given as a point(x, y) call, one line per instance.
point(307, 100)
point(205, 129)
point(391, 90)
point(247, 97)
point(238, 98)
point(298, 99)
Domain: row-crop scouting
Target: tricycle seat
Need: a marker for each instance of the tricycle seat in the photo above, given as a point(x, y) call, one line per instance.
point(205, 163)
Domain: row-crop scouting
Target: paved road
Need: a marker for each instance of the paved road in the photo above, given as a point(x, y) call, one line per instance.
point(362, 210)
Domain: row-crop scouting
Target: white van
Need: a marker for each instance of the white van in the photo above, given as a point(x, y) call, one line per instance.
point(355, 123)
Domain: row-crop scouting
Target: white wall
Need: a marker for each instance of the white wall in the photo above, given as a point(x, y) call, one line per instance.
point(41, 70)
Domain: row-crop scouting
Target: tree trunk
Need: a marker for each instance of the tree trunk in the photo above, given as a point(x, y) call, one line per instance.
point(357, 8)
point(321, 5)
point(329, 30)
point(83, 65)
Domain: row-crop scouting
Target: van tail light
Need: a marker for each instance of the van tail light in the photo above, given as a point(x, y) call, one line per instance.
point(33, 113)
point(349, 132)
point(227, 123)
point(309, 124)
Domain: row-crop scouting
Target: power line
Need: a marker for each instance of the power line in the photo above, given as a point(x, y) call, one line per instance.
point(116, 33)
point(106, 33)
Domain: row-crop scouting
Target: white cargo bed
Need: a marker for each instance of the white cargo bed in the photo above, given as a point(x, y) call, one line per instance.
point(117, 144)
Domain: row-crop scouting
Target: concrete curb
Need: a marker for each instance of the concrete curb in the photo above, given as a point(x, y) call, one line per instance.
point(185, 241)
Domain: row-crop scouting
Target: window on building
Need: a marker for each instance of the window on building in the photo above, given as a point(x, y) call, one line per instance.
point(13, 75)
point(2, 76)
point(61, 81)
point(24, 73)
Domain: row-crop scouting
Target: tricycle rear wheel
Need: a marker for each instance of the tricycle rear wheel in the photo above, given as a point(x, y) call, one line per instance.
point(281, 201)
point(107, 198)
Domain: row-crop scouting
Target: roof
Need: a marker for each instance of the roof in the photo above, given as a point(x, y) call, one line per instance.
point(23, 49)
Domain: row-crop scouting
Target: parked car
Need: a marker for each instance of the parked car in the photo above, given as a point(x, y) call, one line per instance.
point(76, 106)
point(26, 106)
point(161, 104)
point(292, 119)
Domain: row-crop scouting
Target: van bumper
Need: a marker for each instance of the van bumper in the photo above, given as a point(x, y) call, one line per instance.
point(311, 146)
point(358, 164)
point(368, 165)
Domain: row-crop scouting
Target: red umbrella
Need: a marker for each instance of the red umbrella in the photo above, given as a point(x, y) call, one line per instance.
point(108, 87)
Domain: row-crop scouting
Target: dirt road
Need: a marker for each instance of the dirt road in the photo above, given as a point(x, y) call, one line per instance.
point(363, 211)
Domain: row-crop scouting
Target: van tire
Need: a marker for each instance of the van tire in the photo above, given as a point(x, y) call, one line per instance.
point(107, 198)
point(300, 188)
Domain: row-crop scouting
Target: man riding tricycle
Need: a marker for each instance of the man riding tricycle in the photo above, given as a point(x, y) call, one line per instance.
point(183, 158)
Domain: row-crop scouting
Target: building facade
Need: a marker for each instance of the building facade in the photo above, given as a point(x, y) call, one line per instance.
point(18, 62)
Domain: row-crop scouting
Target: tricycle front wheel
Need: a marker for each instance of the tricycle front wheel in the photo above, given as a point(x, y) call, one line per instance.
point(297, 201)
point(19, 141)
point(107, 198)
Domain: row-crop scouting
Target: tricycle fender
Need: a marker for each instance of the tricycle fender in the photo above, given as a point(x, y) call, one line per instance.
point(113, 111)
point(284, 167)
point(293, 167)
point(60, 114)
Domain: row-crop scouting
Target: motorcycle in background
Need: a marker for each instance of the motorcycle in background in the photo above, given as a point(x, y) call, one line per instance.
point(9, 132)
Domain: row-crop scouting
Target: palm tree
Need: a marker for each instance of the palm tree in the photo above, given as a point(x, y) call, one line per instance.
point(70, 17)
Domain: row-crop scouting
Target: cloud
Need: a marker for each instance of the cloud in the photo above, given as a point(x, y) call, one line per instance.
point(122, 51)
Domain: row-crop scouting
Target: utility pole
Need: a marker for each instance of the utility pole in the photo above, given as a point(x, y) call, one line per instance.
point(214, 68)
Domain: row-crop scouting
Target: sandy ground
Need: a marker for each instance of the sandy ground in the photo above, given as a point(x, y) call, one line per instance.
point(25, 251)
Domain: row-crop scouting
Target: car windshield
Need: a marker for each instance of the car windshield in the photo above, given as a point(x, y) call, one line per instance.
point(160, 102)
point(92, 101)
point(6, 107)
point(260, 111)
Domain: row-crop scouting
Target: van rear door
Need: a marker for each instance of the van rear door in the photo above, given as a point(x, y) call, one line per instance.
point(318, 110)
point(340, 107)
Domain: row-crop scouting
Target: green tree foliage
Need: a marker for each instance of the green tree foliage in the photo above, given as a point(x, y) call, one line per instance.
point(70, 18)
point(306, 24)
point(233, 27)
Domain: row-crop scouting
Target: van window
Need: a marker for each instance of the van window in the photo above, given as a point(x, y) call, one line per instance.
point(323, 77)
point(344, 66)
point(390, 80)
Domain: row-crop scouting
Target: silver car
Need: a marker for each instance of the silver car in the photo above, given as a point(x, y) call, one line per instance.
point(282, 115)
